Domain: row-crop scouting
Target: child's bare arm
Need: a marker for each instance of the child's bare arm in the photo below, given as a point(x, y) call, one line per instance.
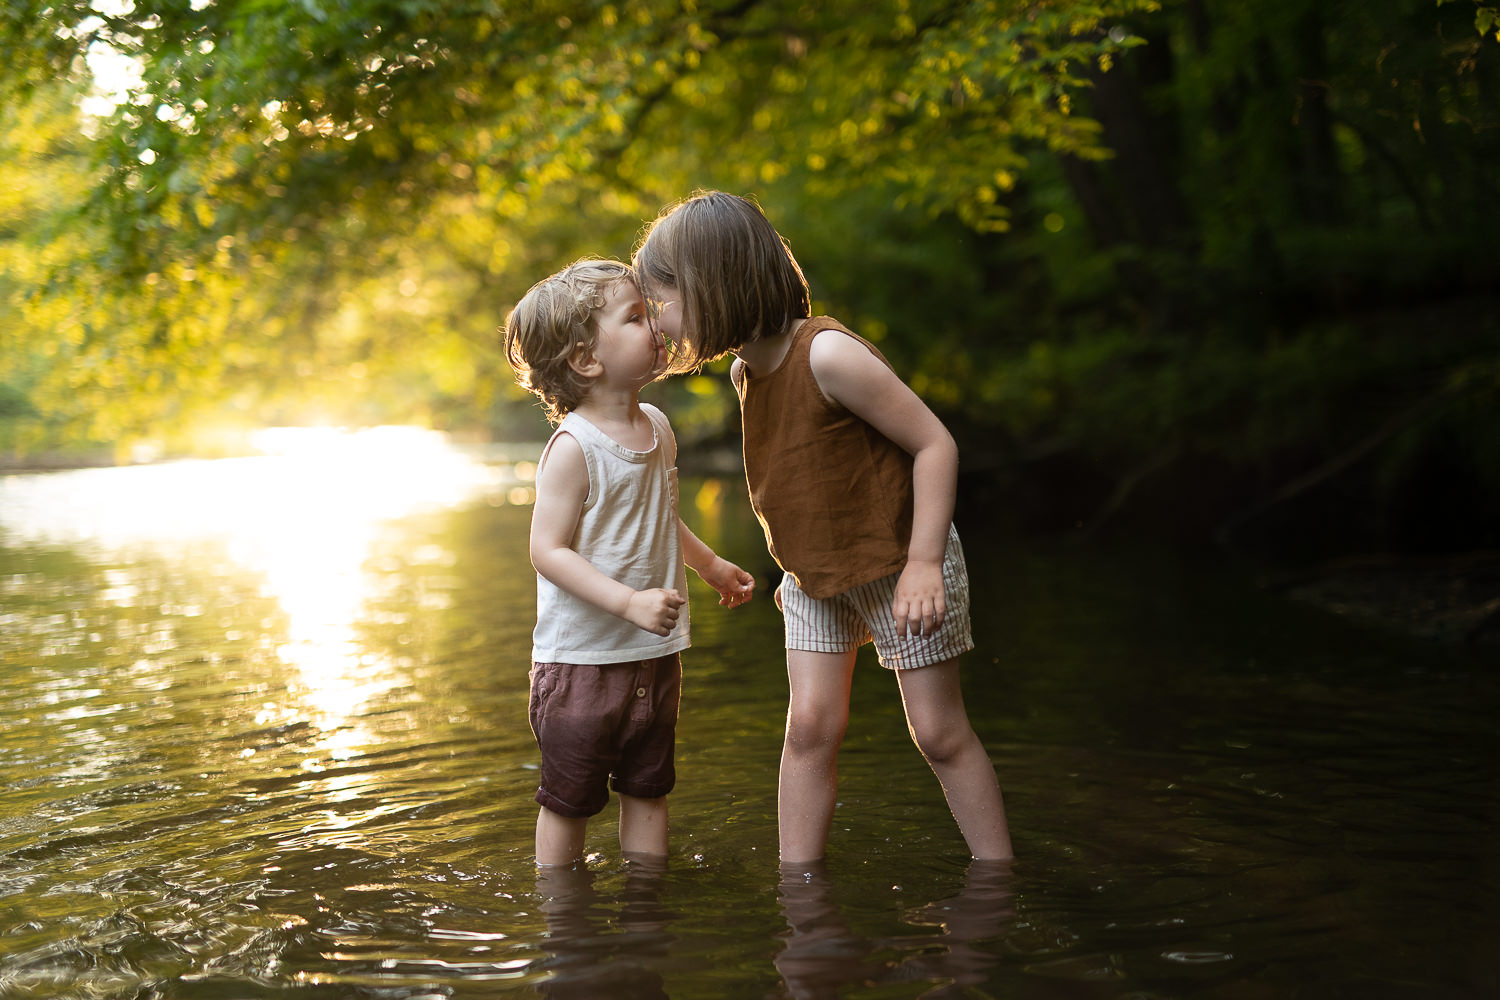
point(562, 486)
point(848, 374)
point(734, 585)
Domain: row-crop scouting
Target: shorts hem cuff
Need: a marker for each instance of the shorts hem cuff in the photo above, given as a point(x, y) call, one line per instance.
point(927, 659)
point(822, 646)
point(646, 792)
point(565, 810)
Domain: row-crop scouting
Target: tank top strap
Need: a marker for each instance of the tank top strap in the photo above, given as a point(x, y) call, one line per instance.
point(665, 439)
point(800, 350)
point(815, 325)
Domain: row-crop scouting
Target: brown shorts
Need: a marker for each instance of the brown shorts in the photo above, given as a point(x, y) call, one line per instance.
point(602, 726)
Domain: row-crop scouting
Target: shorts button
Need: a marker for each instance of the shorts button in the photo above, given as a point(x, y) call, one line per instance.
point(640, 692)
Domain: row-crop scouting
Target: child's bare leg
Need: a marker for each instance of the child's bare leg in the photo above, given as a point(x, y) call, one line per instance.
point(643, 826)
point(940, 727)
point(817, 715)
point(559, 839)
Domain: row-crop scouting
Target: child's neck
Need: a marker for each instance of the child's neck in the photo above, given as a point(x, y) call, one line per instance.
point(764, 355)
point(618, 413)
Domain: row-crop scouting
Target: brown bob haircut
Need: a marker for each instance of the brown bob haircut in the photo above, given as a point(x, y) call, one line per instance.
point(736, 277)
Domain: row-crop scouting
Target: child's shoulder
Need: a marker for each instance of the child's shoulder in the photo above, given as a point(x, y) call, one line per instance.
point(564, 437)
point(835, 343)
point(848, 367)
point(562, 471)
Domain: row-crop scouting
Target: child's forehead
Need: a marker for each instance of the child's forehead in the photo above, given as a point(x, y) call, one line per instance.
point(622, 290)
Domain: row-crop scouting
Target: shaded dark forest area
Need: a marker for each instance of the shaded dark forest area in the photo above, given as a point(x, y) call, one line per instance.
point(1224, 270)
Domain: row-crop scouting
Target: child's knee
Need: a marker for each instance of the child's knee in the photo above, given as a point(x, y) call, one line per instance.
point(940, 744)
point(810, 731)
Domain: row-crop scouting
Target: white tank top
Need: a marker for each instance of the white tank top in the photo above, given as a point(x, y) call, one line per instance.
point(628, 531)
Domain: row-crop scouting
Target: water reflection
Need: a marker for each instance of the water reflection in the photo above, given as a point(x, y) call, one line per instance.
point(822, 956)
point(222, 780)
point(302, 519)
point(598, 946)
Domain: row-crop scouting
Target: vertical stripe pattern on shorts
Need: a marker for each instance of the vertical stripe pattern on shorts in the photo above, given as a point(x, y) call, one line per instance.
point(863, 613)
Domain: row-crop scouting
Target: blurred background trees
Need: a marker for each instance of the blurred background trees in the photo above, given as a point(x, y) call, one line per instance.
point(1222, 260)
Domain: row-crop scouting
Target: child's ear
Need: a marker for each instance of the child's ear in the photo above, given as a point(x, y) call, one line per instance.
point(583, 361)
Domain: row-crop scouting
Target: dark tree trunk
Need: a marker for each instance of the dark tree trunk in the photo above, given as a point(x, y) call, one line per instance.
point(1318, 182)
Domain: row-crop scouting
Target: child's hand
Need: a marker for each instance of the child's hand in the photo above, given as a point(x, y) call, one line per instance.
point(734, 585)
point(918, 606)
point(654, 610)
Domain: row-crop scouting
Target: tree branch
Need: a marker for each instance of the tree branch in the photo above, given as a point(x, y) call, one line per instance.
point(1418, 411)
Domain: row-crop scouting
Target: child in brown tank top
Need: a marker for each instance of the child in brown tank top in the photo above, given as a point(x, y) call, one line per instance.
point(853, 479)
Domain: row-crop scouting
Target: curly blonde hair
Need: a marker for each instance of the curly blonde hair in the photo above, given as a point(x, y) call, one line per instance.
point(554, 319)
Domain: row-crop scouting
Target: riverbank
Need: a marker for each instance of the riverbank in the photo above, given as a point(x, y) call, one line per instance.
point(57, 461)
point(1452, 598)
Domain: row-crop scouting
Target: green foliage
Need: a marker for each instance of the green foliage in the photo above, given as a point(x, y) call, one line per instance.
point(1117, 228)
point(298, 199)
point(1486, 18)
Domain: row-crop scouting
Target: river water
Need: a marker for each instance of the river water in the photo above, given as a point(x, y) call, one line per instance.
point(265, 735)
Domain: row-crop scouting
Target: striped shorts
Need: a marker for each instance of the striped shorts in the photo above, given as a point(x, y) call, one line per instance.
point(847, 621)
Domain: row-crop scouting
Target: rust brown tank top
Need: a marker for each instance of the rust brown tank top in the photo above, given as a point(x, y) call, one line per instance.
point(833, 494)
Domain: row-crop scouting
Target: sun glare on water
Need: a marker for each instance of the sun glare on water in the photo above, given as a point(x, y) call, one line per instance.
point(303, 517)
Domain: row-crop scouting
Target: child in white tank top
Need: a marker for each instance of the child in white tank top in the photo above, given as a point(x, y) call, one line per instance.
point(609, 551)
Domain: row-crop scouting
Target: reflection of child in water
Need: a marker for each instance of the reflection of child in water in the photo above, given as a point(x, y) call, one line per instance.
point(609, 550)
point(591, 955)
point(822, 955)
